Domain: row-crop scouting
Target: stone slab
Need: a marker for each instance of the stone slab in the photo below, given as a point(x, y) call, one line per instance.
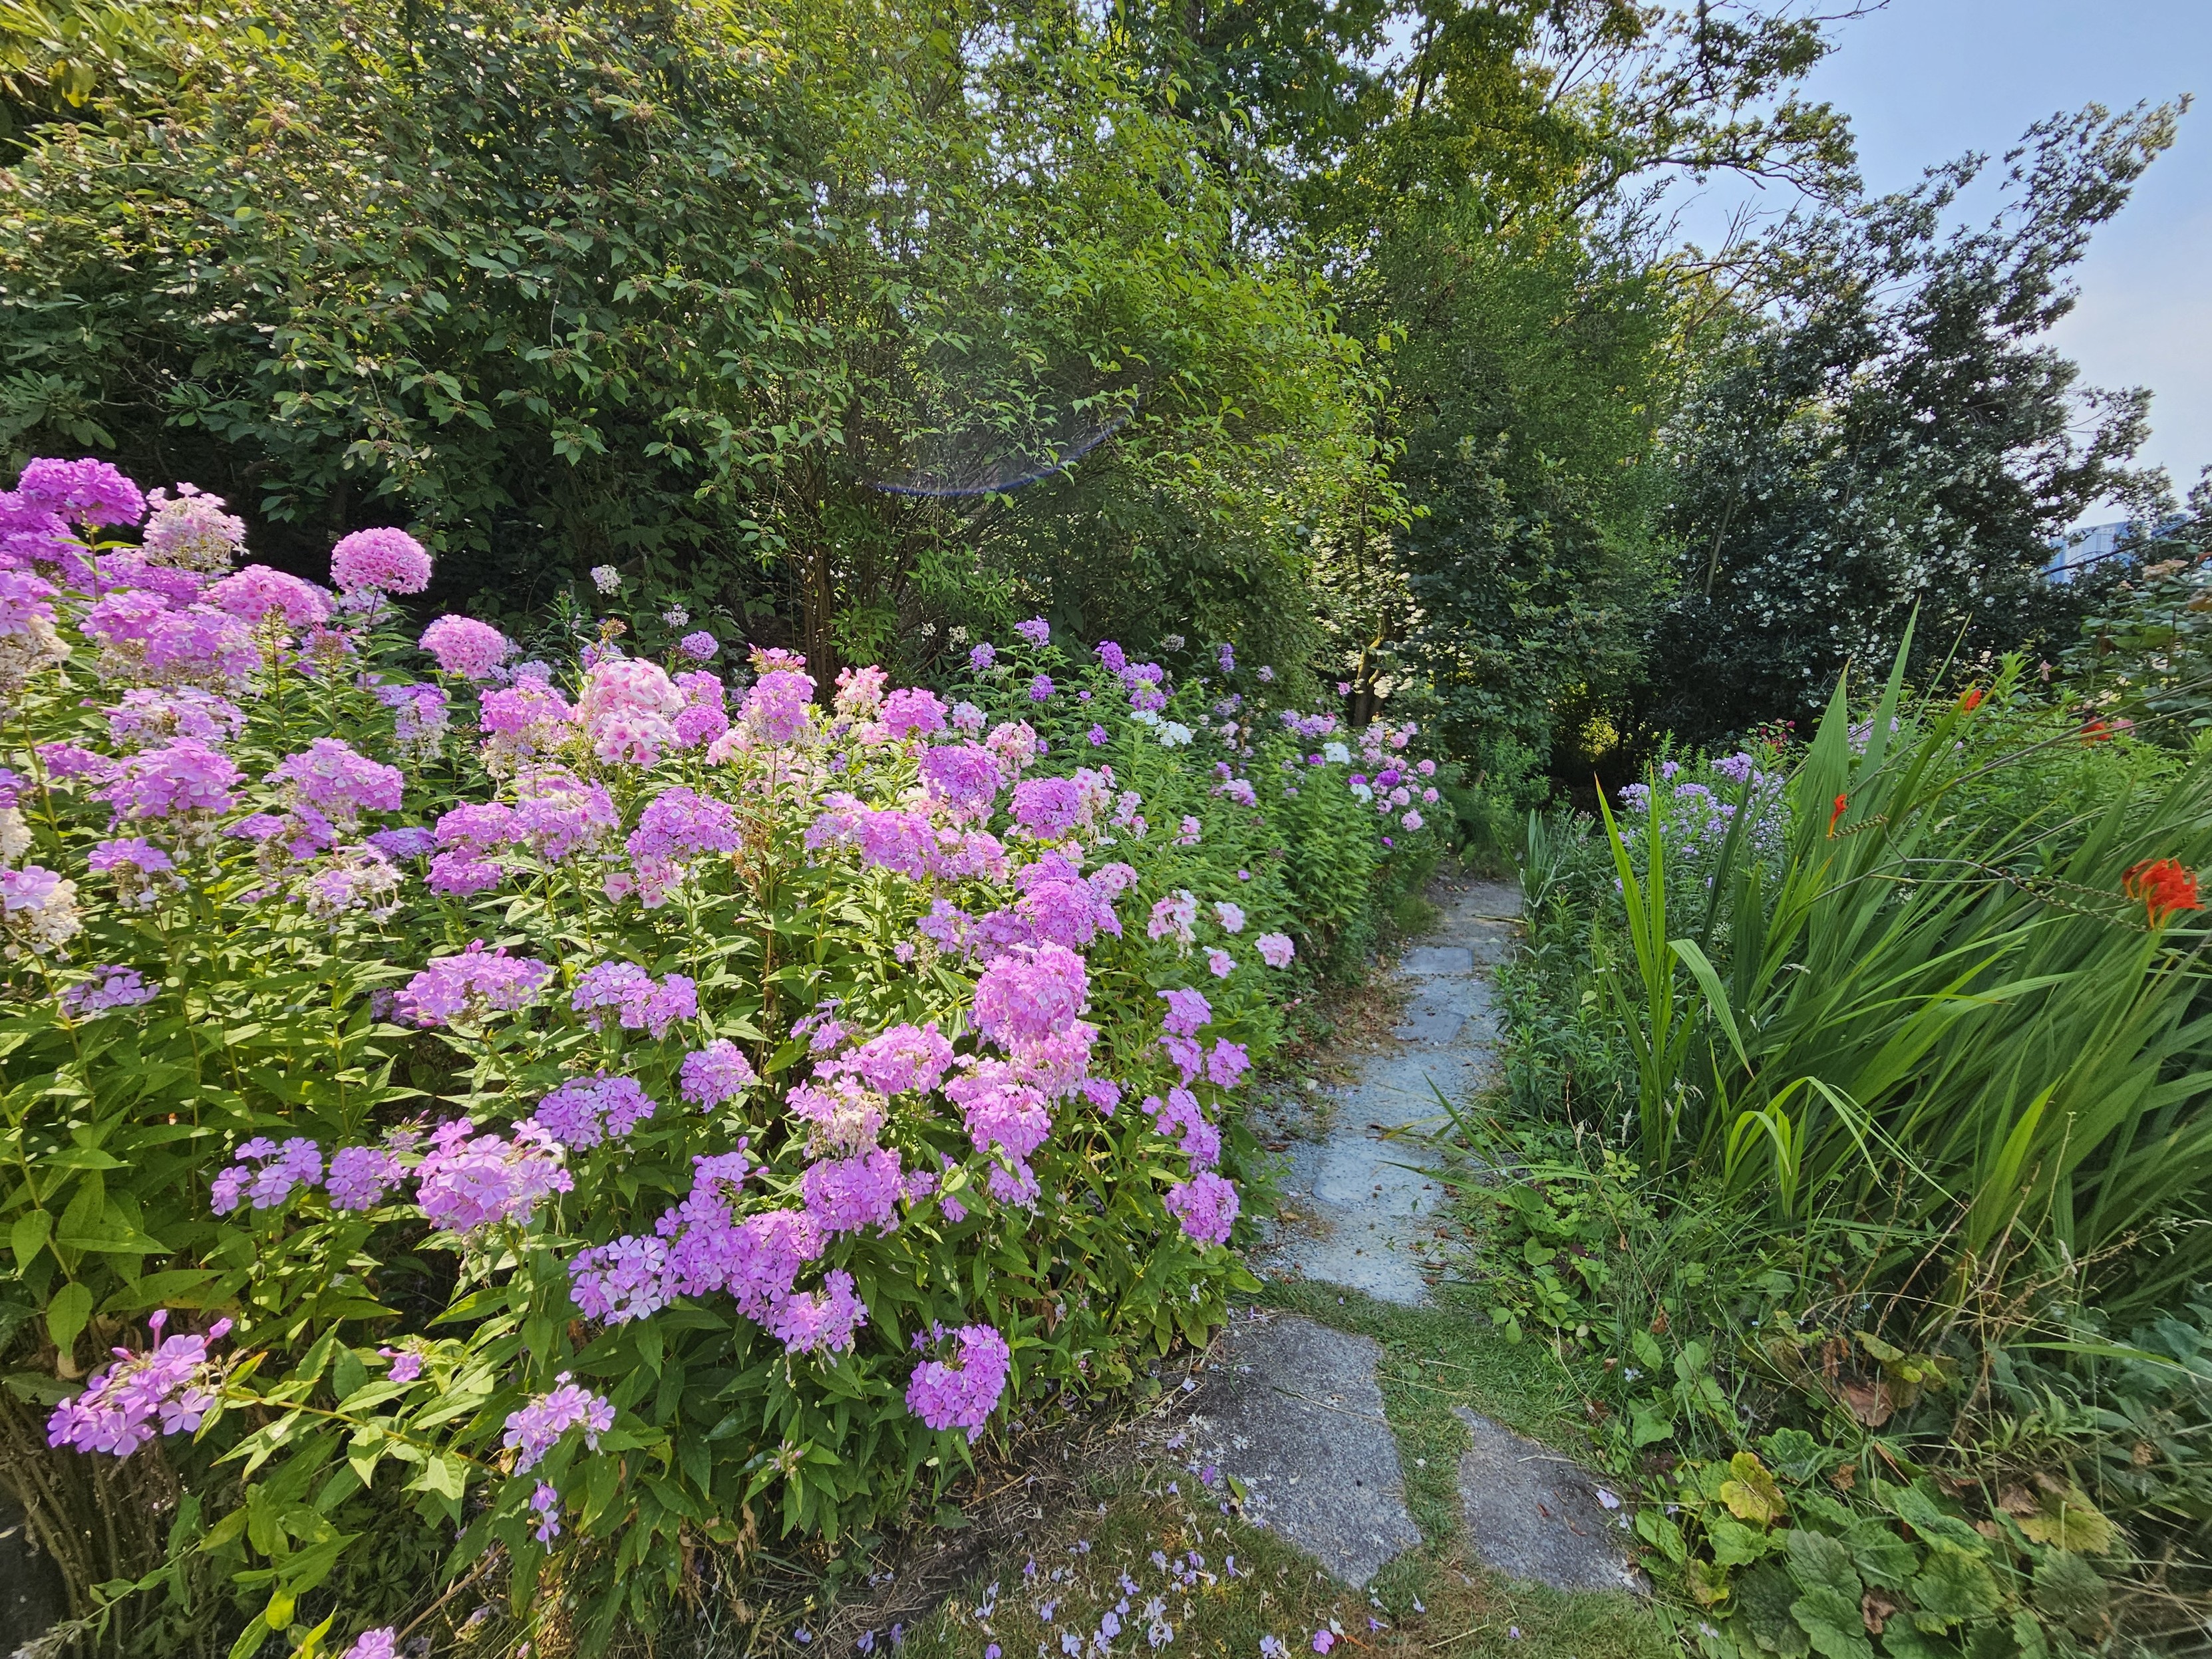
point(1533, 1514)
point(1292, 1410)
point(1437, 959)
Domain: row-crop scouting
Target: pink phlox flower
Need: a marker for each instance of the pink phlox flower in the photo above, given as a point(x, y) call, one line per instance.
point(183, 776)
point(1000, 1109)
point(532, 1431)
point(123, 1405)
point(23, 603)
point(466, 647)
point(90, 493)
point(468, 986)
point(1275, 949)
point(1230, 915)
point(383, 559)
point(846, 1194)
point(1206, 1206)
point(819, 1320)
point(585, 1111)
point(1190, 832)
point(679, 824)
point(467, 1183)
point(1188, 1056)
point(1110, 881)
point(523, 718)
point(1188, 1009)
point(1029, 993)
point(962, 777)
point(329, 775)
point(967, 717)
point(859, 693)
point(1103, 1092)
point(1174, 917)
point(1219, 962)
point(257, 593)
point(1016, 746)
point(904, 1060)
point(962, 1392)
point(716, 1073)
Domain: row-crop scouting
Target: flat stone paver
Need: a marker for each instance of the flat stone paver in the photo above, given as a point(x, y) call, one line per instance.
point(1291, 1409)
point(1533, 1514)
point(1361, 1209)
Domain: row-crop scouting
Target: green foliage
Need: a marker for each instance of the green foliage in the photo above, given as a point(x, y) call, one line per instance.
point(1895, 437)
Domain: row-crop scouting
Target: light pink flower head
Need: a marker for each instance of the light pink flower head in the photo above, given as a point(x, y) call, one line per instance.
point(464, 646)
point(384, 559)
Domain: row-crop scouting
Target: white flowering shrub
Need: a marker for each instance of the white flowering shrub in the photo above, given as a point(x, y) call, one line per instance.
point(606, 1106)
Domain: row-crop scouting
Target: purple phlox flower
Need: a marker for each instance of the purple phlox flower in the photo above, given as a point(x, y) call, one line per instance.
point(467, 986)
point(1207, 1207)
point(680, 824)
point(467, 1182)
point(1041, 689)
point(1227, 1063)
point(1037, 630)
point(559, 814)
point(912, 712)
point(963, 1392)
point(981, 656)
point(123, 1405)
point(383, 559)
point(1187, 1010)
point(406, 1363)
point(181, 777)
point(1047, 808)
point(90, 493)
point(532, 1431)
point(330, 776)
point(700, 646)
point(266, 1174)
point(1182, 1116)
point(361, 1176)
point(844, 1195)
point(904, 1060)
point(963, 777)
point(586, 1111)
point(1029, 993)
point(466, 647)
point(258, 594)
point(107, 989)
point(641, 1003)
point(546, 1501)
point(716, 1073)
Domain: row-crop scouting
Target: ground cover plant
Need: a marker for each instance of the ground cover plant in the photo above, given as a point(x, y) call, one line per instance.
point(539, 1117)
point(1857, 1199)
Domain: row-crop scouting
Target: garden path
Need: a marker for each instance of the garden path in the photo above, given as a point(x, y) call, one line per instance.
point(1357, 1209)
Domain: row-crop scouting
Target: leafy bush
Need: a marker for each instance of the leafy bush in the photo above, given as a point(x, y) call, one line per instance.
point(579, 1118)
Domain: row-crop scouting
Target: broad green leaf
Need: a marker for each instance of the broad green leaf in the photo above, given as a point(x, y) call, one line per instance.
point(67, 1314)
point(1832, 1623)
point(1954, 1586)
point(28, 1237)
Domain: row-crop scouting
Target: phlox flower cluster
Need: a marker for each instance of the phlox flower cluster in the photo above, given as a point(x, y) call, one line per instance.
point(1206, 1206)
point(521, 721)
point(586, 1111)
point(360, 1177)
point(107, 989)
point(190, 531)
point(39, 909)
point(536, 1428)
point(337, 782)
point(382, 561)
point(123, 1405)
point(181, 778)
point(628, 711)
point(715, 1074)
point(145, 718)
point(356, 877)
point(466, 648)
point(467, 1182)
point(777, 708)
point(464, 989)
point(963, 1392)
point(266, 1175)
point(148, 639)
point(638, 1001)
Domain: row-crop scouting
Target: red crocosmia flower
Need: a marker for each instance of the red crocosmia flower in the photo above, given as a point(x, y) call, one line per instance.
point(1970, 700)
point(2166, 886)
point(1836, 813)
point(2096, 731)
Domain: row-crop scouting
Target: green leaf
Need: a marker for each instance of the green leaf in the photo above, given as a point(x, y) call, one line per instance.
point(2070, 1590)
point(1763, 1598)
point(1794, 1454)
point(28, 1237)
point(67, 1314)
point(1831, 1622)
point(1953, 1588)
point(1818, 1561)
point(1881, 1556)
point(1735, 1545)
point(1917, 1507)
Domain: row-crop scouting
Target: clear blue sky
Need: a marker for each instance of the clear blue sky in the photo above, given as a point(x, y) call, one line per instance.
point(1925, 80)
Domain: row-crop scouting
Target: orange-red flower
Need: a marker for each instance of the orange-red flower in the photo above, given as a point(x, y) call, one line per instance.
point(1836, 813)
point(1970, 700)
point(2096, 731)
point(2166, 886)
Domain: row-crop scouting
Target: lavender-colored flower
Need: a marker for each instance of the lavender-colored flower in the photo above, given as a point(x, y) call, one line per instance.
point(906, 1059)
point(1037, 630)
point(382, 1642)
point(1041, 689)
point(716, 1073)
point(586, 1111)
point(90, 493)
point(258, 594)
point(700, 647)
point(846, 1194)
point(385, 560)
point(1098, 735)
point(623, 1279)
point(181, 777)
point(361, 1176)
point(964, 777)
point(409, 842)
point(109, 988)
point(679, 824)
point(1047, 808)
point(1226, 658)
point(1219, 962)
point(466, 647)
point(534, 1430)
point(266, 1174)
point(470, 1182)
point(406, 1363)
point(640, 1002)
point(466, 988)
point(962, 1392)
point(1030, 993)
point(982, 656)
point(1207, 1207)
point(124, 1405)
point(912, 712)
point(330, 776)
point(1187, 1010)
point(777, 708)
point(546, 1501)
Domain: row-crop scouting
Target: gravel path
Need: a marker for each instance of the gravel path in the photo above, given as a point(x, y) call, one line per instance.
point(1358, 1209)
